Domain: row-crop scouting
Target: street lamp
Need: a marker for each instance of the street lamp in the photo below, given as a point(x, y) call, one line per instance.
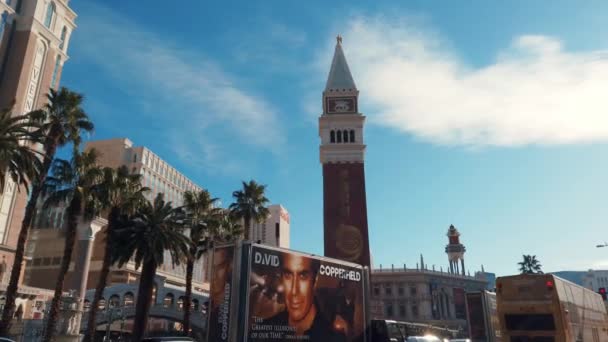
point(113, 312)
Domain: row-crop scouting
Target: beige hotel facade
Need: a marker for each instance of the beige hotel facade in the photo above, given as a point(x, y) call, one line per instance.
point(46, 243)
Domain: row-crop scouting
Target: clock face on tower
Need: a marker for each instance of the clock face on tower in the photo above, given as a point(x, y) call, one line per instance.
point(341, 105)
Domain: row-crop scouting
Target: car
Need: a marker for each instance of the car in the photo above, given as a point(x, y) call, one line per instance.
point(167, 339)
point(460, 340)
point(6, 339)
point(425, 338)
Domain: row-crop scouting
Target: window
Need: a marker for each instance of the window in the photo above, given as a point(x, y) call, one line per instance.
point(413, 291)
point(339, 136)
point(402, 310)
point(352, 135)
point(345, 135)
point(401, 291)
point(168, 301)
point(388, 290)
point(389, 310)
point(50, 12)
point(530, 322)
point(102, 304)
point(114, 301)
point(64, 33)
point(135, 158)
point(332, 136)
point(56, 71)
point(376, 291)
point(415, 310)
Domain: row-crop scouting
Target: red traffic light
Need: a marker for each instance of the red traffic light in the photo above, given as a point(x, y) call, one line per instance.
point(602, 290)
point(549, 285)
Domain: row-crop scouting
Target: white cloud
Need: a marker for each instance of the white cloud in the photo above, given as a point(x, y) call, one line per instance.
point(535, 92)
point(186, 93)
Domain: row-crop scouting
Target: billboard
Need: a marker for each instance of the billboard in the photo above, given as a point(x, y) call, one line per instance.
point(293, 296)
point(220, 293)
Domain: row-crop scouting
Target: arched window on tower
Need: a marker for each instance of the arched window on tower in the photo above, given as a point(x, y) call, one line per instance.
point(3, 21)
point(345, 134)
point(50, 13)
point(56, 71)
point(332, 136)
point(339, 136)
point(352, 135)
point(64, 33)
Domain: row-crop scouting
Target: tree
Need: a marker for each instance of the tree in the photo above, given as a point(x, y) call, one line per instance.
point(201, 217)
point(121, 193)
point(250, 204)
point(228, 229)
point(19, 162)
point(530, 265)
point(61, 121)
point(73, 183)
point(152, 230)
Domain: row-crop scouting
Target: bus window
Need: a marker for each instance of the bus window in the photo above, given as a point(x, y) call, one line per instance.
point(530, 322)
point(394, 334)
point(532, 339)
point(379, 331)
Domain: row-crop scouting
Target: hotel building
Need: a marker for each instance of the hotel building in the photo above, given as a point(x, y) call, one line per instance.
point(34, 40)
point(274, 231)
point(45, 245)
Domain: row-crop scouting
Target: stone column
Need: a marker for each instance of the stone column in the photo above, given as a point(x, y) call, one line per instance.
point(86, 232)
point(82, 259)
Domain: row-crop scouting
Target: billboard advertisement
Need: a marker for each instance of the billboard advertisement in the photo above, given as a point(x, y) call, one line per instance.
point(220, 293)
point(294, 296)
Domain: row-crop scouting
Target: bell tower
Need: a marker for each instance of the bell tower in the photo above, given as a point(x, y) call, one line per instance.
point(455, 251)
point(342, 153)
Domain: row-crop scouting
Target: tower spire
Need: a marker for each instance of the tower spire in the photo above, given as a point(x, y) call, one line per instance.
point(340, 78)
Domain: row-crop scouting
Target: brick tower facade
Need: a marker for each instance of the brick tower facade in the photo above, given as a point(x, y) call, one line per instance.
point(342, 156)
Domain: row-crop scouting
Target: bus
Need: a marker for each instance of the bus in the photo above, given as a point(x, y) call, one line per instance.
point(546, 308)
point(384, 330)
point(482, 317)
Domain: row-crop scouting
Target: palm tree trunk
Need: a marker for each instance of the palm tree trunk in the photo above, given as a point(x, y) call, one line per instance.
point(73, 214)
point(11, 290)
point(103, 275)
point(144, 296)
point(247, 221)
point(188, 297)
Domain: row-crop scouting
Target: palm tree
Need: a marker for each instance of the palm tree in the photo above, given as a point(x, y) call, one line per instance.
point(19, 162)
point(250, 204)
point(201, 218)
point(121, 193)
point(152, 230)
point(73, 183)
point(530, 265)
point(228, 229)
point(62, 121)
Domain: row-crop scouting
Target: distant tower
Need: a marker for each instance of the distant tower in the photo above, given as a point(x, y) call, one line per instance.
point(455, 251)
point(342, 156)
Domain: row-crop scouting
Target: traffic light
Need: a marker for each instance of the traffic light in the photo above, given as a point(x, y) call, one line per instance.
point(602, 291)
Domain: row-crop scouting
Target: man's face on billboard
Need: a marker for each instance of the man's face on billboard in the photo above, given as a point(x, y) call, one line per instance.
point(298, 281)
point(221, 272)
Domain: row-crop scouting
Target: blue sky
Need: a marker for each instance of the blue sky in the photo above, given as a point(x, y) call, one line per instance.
point(491, 117)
